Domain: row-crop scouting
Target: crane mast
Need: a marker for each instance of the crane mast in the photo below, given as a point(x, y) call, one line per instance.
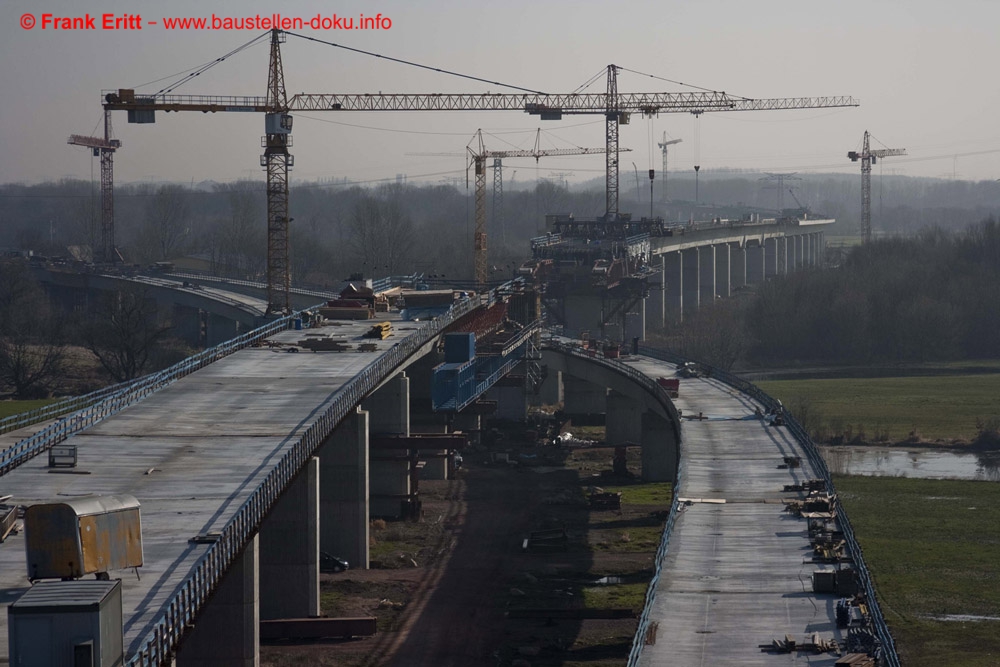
point(105, 148)
point(276, 161)
point(663, 146)
point(478, 156)
point(869, 157)
point(277, 107)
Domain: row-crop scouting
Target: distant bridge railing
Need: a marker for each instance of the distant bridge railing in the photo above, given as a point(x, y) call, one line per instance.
point(889, 656)
point(645, 626)
point(61, 407)
point(159, 645)
point(128, 394)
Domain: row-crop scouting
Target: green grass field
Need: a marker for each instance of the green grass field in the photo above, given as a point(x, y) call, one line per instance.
point(933, 547)
point(941, 407)
point(8, 408)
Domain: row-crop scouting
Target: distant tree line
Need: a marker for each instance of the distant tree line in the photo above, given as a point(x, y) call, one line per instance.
point(342, 229)
point(934, 296)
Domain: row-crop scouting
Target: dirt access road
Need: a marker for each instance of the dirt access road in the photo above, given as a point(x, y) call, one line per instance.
point(451, 609)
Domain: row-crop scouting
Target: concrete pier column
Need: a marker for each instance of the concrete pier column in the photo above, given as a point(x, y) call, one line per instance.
point(770, 257)
point(656, 302)
point(227, 631)
point(289, 550)
point(692, 279)
point(389, 413)
point(623, 424)
point(584, 312)
point(706, 257)
point(738, 266)
point(755, 264)
point(551, 391)
point(583, 398)
point(811, 240)
point(821, 248)
point(659, 449)
point(793, 253)
point(673, 281)
point(783, 255)
point(511, 395)
point(343, 491)
point(723, 270)
point(221, 329)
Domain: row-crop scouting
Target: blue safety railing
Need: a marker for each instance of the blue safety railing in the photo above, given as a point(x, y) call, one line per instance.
point(889, 656)
point(158, 647)
point(61, 407)
point(129, 394)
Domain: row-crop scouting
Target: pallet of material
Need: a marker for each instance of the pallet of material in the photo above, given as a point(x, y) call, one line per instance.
point(605, 501)
point(381, 331)
point(332, 313)
point(323, 345)
point(855, 660)
point(546, 540)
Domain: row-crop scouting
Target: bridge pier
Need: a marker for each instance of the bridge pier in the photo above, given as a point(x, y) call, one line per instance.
point(723, 270)
point(220, 329)
point(289, 550)
point(389, 410)
point(673, 285)
point(623, 424)
point(782, 248)
point(659, 449)
point(227, 631)
point(551, 391)
point(656, 302)
point(755, 264)
point(343, 492)
point(511, 395)
point(691, 280)
point(706, 276)
point(583, 398)
point(770, 257)
point(738, 270)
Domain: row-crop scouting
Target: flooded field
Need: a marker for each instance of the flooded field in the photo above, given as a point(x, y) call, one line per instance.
point(915, 463)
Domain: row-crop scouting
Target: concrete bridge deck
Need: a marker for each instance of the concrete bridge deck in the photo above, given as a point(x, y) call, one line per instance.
point(192, 453)
point(735, 574)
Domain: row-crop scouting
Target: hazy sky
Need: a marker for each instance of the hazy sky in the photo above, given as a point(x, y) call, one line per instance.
point(923, 72)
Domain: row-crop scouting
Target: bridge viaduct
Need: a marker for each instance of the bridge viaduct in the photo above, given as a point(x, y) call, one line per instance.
point(249, 466)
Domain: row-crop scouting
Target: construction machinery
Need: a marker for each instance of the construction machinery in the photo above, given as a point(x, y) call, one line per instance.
point(277, 107)
point(105, 149)
point(868, 157)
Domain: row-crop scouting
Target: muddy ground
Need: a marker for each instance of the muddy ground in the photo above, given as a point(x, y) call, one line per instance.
point(454, 589)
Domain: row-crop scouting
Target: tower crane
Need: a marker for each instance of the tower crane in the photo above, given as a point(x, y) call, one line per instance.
point(868, 157)
point(663, 147)
point(105, 148)
point(477, 158)
point(277, 107)
point(478, 154)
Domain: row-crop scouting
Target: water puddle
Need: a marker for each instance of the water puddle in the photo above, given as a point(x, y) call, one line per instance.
point(921, 463)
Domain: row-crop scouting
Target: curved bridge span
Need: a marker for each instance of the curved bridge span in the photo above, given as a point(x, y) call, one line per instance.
point(212, 455)
point(734, 570)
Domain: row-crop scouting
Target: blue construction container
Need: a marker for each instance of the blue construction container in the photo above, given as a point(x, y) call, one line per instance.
point(459, 347)
point(452, 385)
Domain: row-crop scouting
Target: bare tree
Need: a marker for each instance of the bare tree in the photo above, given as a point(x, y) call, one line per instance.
point(31, 350)
point(167, 226)
point(124, 332)
point(383, 233)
